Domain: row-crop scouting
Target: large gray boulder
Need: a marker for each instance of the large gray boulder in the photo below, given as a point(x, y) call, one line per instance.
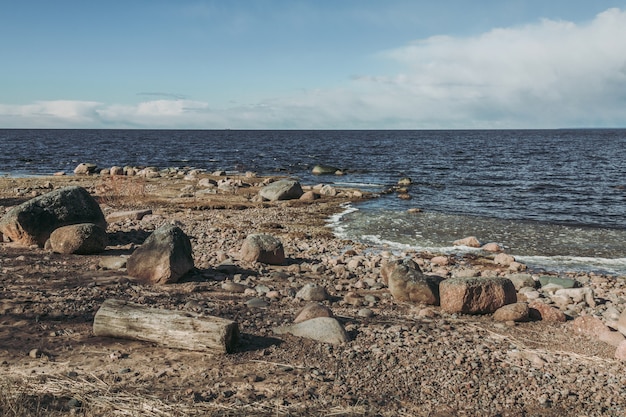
point(263, 248)
point(476, 295)
point(81, 239)
point(407, 283)
point(32, 222)
point(281, 190)
point(163, 258)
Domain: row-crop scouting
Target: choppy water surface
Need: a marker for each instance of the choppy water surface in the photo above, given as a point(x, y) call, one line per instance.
point(555, 197)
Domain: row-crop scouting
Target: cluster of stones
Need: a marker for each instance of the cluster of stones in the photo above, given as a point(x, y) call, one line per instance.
point(68, 220)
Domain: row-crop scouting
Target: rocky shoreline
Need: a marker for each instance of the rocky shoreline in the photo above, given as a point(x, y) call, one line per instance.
point(402, 356)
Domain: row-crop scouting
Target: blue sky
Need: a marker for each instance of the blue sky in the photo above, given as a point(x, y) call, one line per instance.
point(313, 64)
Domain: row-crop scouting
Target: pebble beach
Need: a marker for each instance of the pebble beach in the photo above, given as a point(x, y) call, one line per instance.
point(400, 357)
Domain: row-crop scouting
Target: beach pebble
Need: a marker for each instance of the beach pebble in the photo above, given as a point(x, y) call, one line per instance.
point(257, 303)
point(311, 311)
point(544, 312)
point(491, 247)
point(470, 241)
point(312, 292)
point(512, 312)
point(233, 287)
point(322, 329)
point(521, 281)
point(503, 259)
point(112, 262)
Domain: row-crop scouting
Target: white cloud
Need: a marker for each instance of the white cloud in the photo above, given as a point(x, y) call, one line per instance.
point(542, 75)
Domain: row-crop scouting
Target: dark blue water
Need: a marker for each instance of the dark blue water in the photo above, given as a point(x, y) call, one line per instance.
point(555, 193)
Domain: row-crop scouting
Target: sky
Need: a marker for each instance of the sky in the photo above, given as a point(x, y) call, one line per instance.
point(313, 64)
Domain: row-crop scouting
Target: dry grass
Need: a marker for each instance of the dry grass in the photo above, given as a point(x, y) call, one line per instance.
point(55, 396)
point(115, 190)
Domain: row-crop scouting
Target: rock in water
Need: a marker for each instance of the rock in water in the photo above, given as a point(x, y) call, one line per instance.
point(85, 168)
point(32, 222)
point(476, 295)
point(324, 170)
point(407, 283)
point(82, 239)
point(163, 258)
point(282, 190)
point(322, 329)
point(263, 248)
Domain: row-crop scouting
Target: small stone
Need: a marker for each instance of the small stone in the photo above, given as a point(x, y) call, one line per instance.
point(112, 262)
point(233, 287)
point(470, 241)
point(365, 312)
point(311, 311)
point(353, 299)
point(256, 303)
point(522, 281)
point(312, 292)
point(503, 259)
point(620, 352)
point(512, 312)
point(440, 260)
point(543, 312)
point(491, 247)
point(323, 329)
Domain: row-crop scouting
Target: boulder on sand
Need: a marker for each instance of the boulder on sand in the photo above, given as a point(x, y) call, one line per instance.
point(476, 295)
point(163, 258)
point(81, 239)
point(33, 221)
point(263, 248)
point(407, 283)
point(281, 190)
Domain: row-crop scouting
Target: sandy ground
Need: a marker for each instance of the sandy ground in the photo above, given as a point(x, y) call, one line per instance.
point(402, 359)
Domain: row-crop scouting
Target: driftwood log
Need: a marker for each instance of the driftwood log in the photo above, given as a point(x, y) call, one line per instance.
point(169, 328)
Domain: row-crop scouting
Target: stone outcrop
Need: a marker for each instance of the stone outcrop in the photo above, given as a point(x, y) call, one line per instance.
point(163, 258)
point(263, 248)
point(476, 295)
point(32, 222)
point(81, 239)
point(281, 190)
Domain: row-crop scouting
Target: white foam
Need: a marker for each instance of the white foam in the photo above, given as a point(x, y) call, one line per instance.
point(575, 263)
point(359, 184)
point(334, 221)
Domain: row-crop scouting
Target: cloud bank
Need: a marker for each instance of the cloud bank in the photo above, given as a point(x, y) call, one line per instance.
point(548, 74)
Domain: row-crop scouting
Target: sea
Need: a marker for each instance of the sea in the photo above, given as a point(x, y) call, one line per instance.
point(555, 199)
